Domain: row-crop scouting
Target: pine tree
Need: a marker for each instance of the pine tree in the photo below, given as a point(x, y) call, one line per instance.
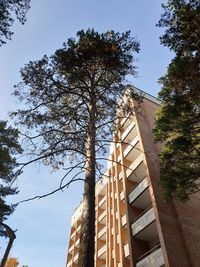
point(9, 9)
point(71, 102)
point(178, 121)
point(9, 147)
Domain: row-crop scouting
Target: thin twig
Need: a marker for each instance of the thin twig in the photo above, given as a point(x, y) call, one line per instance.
point(54, 191)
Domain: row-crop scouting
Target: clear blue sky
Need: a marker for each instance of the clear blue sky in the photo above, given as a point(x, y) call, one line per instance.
point(43, 226)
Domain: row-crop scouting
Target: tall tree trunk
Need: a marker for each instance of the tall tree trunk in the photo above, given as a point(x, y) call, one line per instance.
point(12, 237)
point(87, 234)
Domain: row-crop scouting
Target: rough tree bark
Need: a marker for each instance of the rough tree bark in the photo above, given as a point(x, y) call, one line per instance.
point(72, 97)
point(87, 232)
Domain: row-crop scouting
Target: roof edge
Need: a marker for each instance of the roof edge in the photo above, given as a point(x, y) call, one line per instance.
point(147, 95)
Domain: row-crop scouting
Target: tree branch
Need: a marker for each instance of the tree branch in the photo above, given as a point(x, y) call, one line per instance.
point(54, 191)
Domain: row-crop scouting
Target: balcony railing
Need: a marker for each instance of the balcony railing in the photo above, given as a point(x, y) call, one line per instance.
point(125, 121)
point(138, 190)
point(71, 249)
point(101, 251)
point(73, 234)
point(122, 196)
point(69, 264)
point(120, 175)
point(76, 257)
point(124, 221)
point(132, 172)
point(153, 257)
point(131, 146)
point(102, 232)
point(77, 213)
point(103, 214)
point(79, 228)
point(77, 243)
point(127, 131)
point(102, 201)
point(144, 220)
point(126, 251)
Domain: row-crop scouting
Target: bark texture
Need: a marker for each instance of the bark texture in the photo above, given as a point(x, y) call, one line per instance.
point(87, 234)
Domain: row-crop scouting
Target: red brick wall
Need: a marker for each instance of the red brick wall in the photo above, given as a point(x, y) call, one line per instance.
point(178, 224)
point(188, 214)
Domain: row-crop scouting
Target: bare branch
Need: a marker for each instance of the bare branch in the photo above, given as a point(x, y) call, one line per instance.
point(54, 191)
point(46, 156)
point(71, 169)
point(124, 143)
point(49, 131)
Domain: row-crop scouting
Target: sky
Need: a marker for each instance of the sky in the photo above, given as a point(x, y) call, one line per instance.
point(43, 225)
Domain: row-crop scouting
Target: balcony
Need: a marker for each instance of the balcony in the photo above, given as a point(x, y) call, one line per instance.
point(124, 221)
point(138, 190)
point(77, 214)
point(140, 196)
point(100, 188)
point(120, 175)
point(77, 243)
point(117, 215)
point(102, 252)
point(129, 133)
point(102, 233)
point(142, 222)
point(137, 170)
point(69, 264)
point(122, 196)
point(70, 249)
point(102, 217)
point(73, 234)
point(76, 257)
point(102, 203)
point(78, 229)
point(132, 149)
point(125, 122)
point(153, 258)
point(126, 251)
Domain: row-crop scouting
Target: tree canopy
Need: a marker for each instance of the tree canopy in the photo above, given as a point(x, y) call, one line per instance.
point(58, 91)
point(9, 147)
point(8, 10)
point(178, 120)
point(71, 101)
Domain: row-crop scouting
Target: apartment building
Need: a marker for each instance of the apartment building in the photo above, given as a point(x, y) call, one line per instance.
point(134, 225)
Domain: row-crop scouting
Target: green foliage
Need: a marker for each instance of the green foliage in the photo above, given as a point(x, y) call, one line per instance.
point(9, 147)
point(71, 101)
point(9, 8)
point(178, 120)
point(181, 18)
point(60, 90)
